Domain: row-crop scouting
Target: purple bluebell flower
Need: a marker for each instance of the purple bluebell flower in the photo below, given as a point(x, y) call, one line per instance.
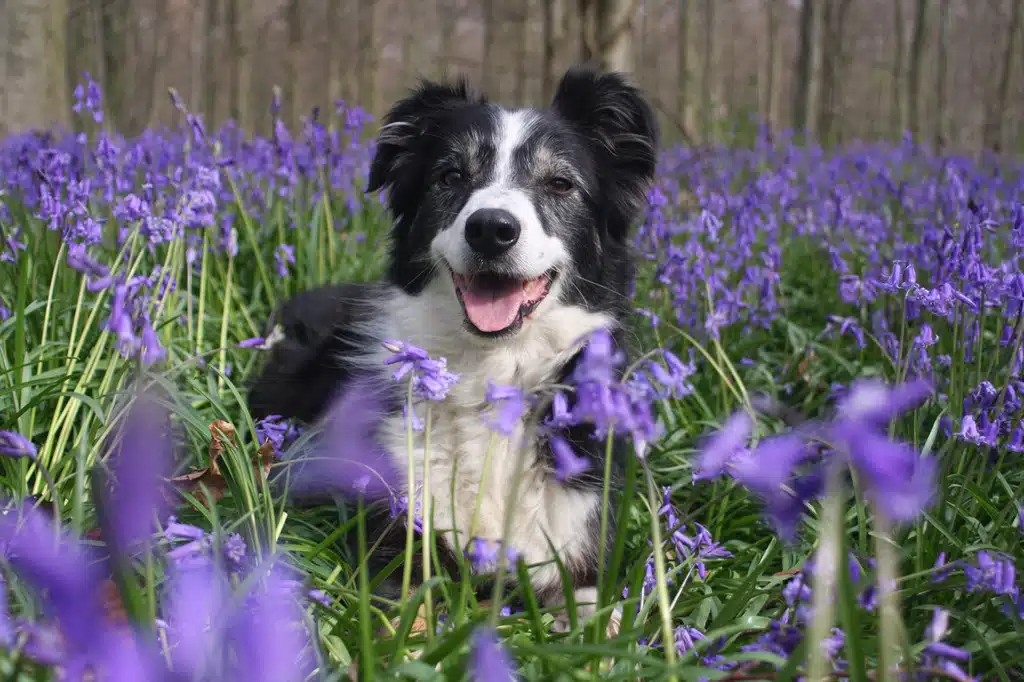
point(969, 430)
point(994, 573)
point(88, 97)
point(897, 478)
point(687, 638)
point(261, 636)
point(399, 509)
point(872, 403)
point(940, 655)
point(942, 570)
point(722, 446)
point(277, 431)
point(194, 550)
point(11, 245)
point(284, 255)
point(489, 660)
point(510, 405)
point(567, 463)
point(675, 379)
point(845, 325)
point(13, 444)
point(348, 458)
point(140, 458)
point(431, 378)
point(484, 554)
point(700, 546)
point(67, 577)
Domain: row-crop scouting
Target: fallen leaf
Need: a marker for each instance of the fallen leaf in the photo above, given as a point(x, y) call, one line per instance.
point(221, 433)
point(112, 604)
point(265, 459)
point(803, 369)
point(219, 430)
point(210, 476)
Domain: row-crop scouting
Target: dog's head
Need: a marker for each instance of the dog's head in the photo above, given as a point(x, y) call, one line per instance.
point(513, 212)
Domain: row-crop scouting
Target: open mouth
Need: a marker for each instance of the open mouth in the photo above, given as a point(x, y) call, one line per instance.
point(497, 304)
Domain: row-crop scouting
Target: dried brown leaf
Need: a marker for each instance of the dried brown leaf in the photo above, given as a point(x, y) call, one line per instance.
point(265, 459)
point(112, 604)
point(221, 434)
point(220, 431)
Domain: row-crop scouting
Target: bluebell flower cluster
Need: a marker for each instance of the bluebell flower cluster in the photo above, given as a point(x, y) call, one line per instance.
point(786, 470)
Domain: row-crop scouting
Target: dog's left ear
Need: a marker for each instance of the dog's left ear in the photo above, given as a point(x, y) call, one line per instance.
point(620, 123)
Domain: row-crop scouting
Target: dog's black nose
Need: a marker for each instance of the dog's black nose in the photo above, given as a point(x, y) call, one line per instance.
point(490, 232)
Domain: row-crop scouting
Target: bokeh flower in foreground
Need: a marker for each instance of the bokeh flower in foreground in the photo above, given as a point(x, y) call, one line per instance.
point(258, 634)
point(13, 444)
point(489, 660)
point(484, 554)
point(893, 475)
point(76, 632)
point(347, 457)
point(140, 458)
point(897, 479)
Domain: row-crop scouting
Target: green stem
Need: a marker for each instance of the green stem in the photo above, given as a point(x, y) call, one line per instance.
point(826, 567)
point(661, 579)
point(889, 631)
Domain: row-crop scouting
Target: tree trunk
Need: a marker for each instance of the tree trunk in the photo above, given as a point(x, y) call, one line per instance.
point(707, 68)
point(914, 68)
point(833, 59)
point(365, 60)
point(522, 56)
point(212, 37)
point(240, 67)
point(814, 89)
point(683, 61)
point(448, 16)
point(941, 78)
point(804, 70)
point(79, 54)
point(410, 20)
point(547, 75)
point(993, 132)
point(487, 55)
point(34, 91)
point(293, 91)
point(115, 19)
point(333, 80)
point(196, 46)
point(898, 112)
point(614, 31)
point(148, 95)
point(772, 65)
point(587, 9)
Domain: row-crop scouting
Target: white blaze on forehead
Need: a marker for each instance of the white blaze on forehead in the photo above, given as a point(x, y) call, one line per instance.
point(513, 130)
point(536, 252)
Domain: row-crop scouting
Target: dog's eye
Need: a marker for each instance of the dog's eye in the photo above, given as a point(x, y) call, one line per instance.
point(451, 177)
point(559, 185)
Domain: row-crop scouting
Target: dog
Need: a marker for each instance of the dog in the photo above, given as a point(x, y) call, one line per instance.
point(511, 241)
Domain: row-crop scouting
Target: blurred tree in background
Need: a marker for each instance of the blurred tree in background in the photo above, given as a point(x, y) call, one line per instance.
point(949, 71)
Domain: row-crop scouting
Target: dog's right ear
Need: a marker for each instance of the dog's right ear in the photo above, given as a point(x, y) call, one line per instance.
point(407, 125)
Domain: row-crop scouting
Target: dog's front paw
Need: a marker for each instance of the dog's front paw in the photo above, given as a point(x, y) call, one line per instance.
point(586, 607)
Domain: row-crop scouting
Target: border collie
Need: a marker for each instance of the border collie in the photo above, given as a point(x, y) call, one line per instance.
point(511, 242)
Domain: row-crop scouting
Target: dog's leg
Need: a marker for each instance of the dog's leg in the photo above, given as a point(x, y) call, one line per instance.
point(311, 336)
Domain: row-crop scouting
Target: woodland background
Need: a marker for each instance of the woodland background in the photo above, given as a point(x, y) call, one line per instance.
point(951, 72)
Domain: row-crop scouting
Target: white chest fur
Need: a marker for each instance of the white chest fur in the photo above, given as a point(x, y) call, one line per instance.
point(470, 464)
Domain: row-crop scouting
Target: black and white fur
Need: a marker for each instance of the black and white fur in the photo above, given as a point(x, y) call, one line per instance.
point(574, 177)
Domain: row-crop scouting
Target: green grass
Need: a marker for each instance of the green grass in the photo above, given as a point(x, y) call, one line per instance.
point(62, 380)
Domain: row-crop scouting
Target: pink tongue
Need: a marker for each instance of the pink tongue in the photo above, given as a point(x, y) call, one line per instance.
point(492, 311)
